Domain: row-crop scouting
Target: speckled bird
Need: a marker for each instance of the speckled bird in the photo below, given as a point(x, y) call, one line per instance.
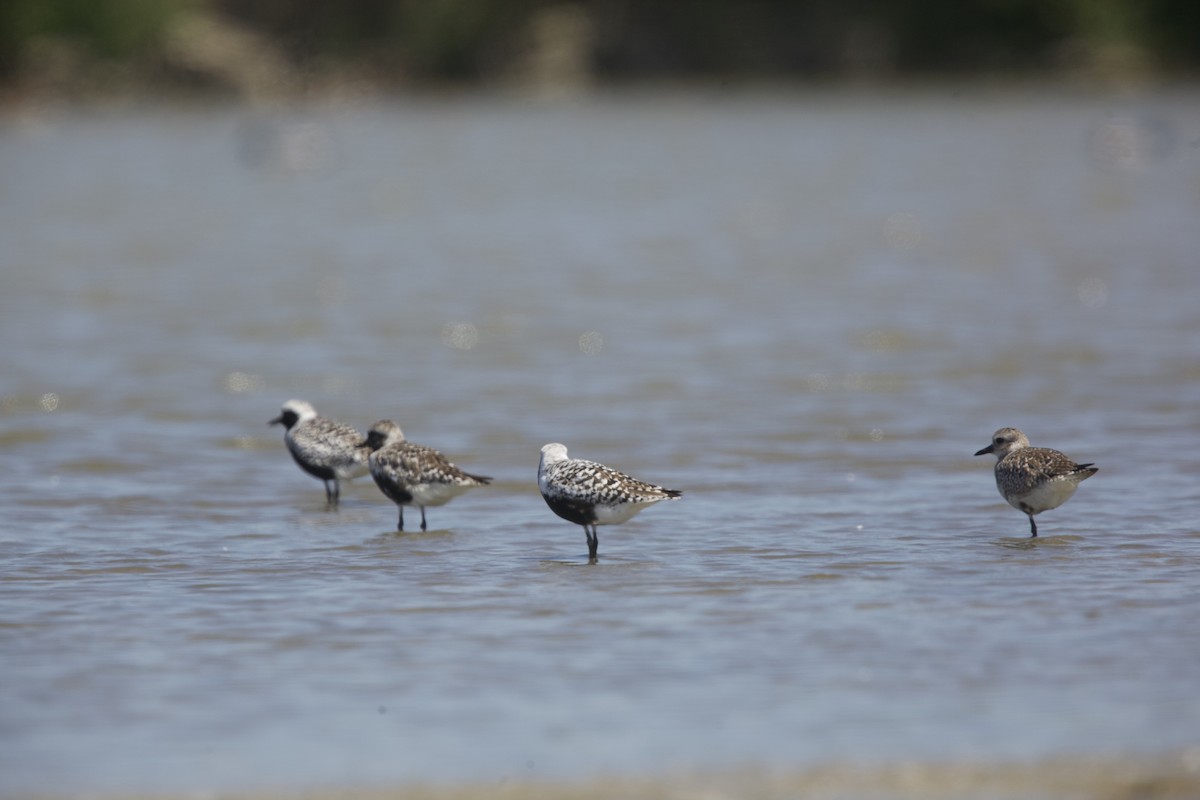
point(1033, 479)
point(323, 447)
point(591, 494)
point(412, 474)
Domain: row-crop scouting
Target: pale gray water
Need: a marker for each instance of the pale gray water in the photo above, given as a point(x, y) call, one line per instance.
point(807, 311)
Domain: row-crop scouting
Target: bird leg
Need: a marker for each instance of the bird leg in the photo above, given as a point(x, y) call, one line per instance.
point(400, 524)
point(593, 540)
point(422, 517)
point(1032, 527)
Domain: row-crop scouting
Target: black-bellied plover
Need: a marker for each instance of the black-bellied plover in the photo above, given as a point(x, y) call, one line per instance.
point(412, 474)
point(591, 494)
point(1033, 479)
point(323, 447)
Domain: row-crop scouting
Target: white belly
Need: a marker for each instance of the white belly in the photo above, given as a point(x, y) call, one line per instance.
point(616, 514)
point(435, 494)
point(1051, 494)
point(348, 471)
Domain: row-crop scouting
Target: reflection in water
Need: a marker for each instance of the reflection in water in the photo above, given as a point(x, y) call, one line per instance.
point(1130, 141)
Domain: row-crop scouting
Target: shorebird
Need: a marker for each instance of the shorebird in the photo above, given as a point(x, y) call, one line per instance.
point(324, 448)
point(591, 494)
point(412, 474)
point(1033, 479)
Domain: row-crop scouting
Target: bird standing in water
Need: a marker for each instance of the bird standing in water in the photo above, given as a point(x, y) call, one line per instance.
point(323, 447)
point(591, 494)
point(1033, 479)
point(412, 474)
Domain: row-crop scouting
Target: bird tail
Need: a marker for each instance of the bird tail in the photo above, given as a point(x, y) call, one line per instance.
point(673, 494)
point(1086, 471)
point(481, 479)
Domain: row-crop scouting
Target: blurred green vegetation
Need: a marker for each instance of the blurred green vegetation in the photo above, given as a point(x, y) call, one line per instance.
point(414, 41)
point(107, 28)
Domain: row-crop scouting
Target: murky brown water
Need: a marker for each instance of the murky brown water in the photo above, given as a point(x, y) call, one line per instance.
point(807, 311)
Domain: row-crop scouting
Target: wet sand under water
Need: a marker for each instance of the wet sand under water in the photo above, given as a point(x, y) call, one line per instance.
point(1086, 779)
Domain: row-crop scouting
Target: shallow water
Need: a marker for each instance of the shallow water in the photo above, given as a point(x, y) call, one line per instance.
point(805, 310)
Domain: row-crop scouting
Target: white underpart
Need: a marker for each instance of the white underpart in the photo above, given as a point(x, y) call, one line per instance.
point(616, 514)
point(436, 494)
point(1048, 495)
point(346, 472)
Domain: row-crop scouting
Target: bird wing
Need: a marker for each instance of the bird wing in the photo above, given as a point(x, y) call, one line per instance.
point(327, 432)
point(416, 463)
point(1032, 466)
point(589, 481)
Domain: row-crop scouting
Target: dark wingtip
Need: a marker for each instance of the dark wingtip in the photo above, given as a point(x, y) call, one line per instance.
point(673, 493)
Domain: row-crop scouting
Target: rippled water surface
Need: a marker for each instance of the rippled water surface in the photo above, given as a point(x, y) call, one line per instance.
point(806, 311)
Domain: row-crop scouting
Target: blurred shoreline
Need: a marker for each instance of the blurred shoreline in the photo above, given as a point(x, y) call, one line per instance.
point(1093, 778)
point(197, 53)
